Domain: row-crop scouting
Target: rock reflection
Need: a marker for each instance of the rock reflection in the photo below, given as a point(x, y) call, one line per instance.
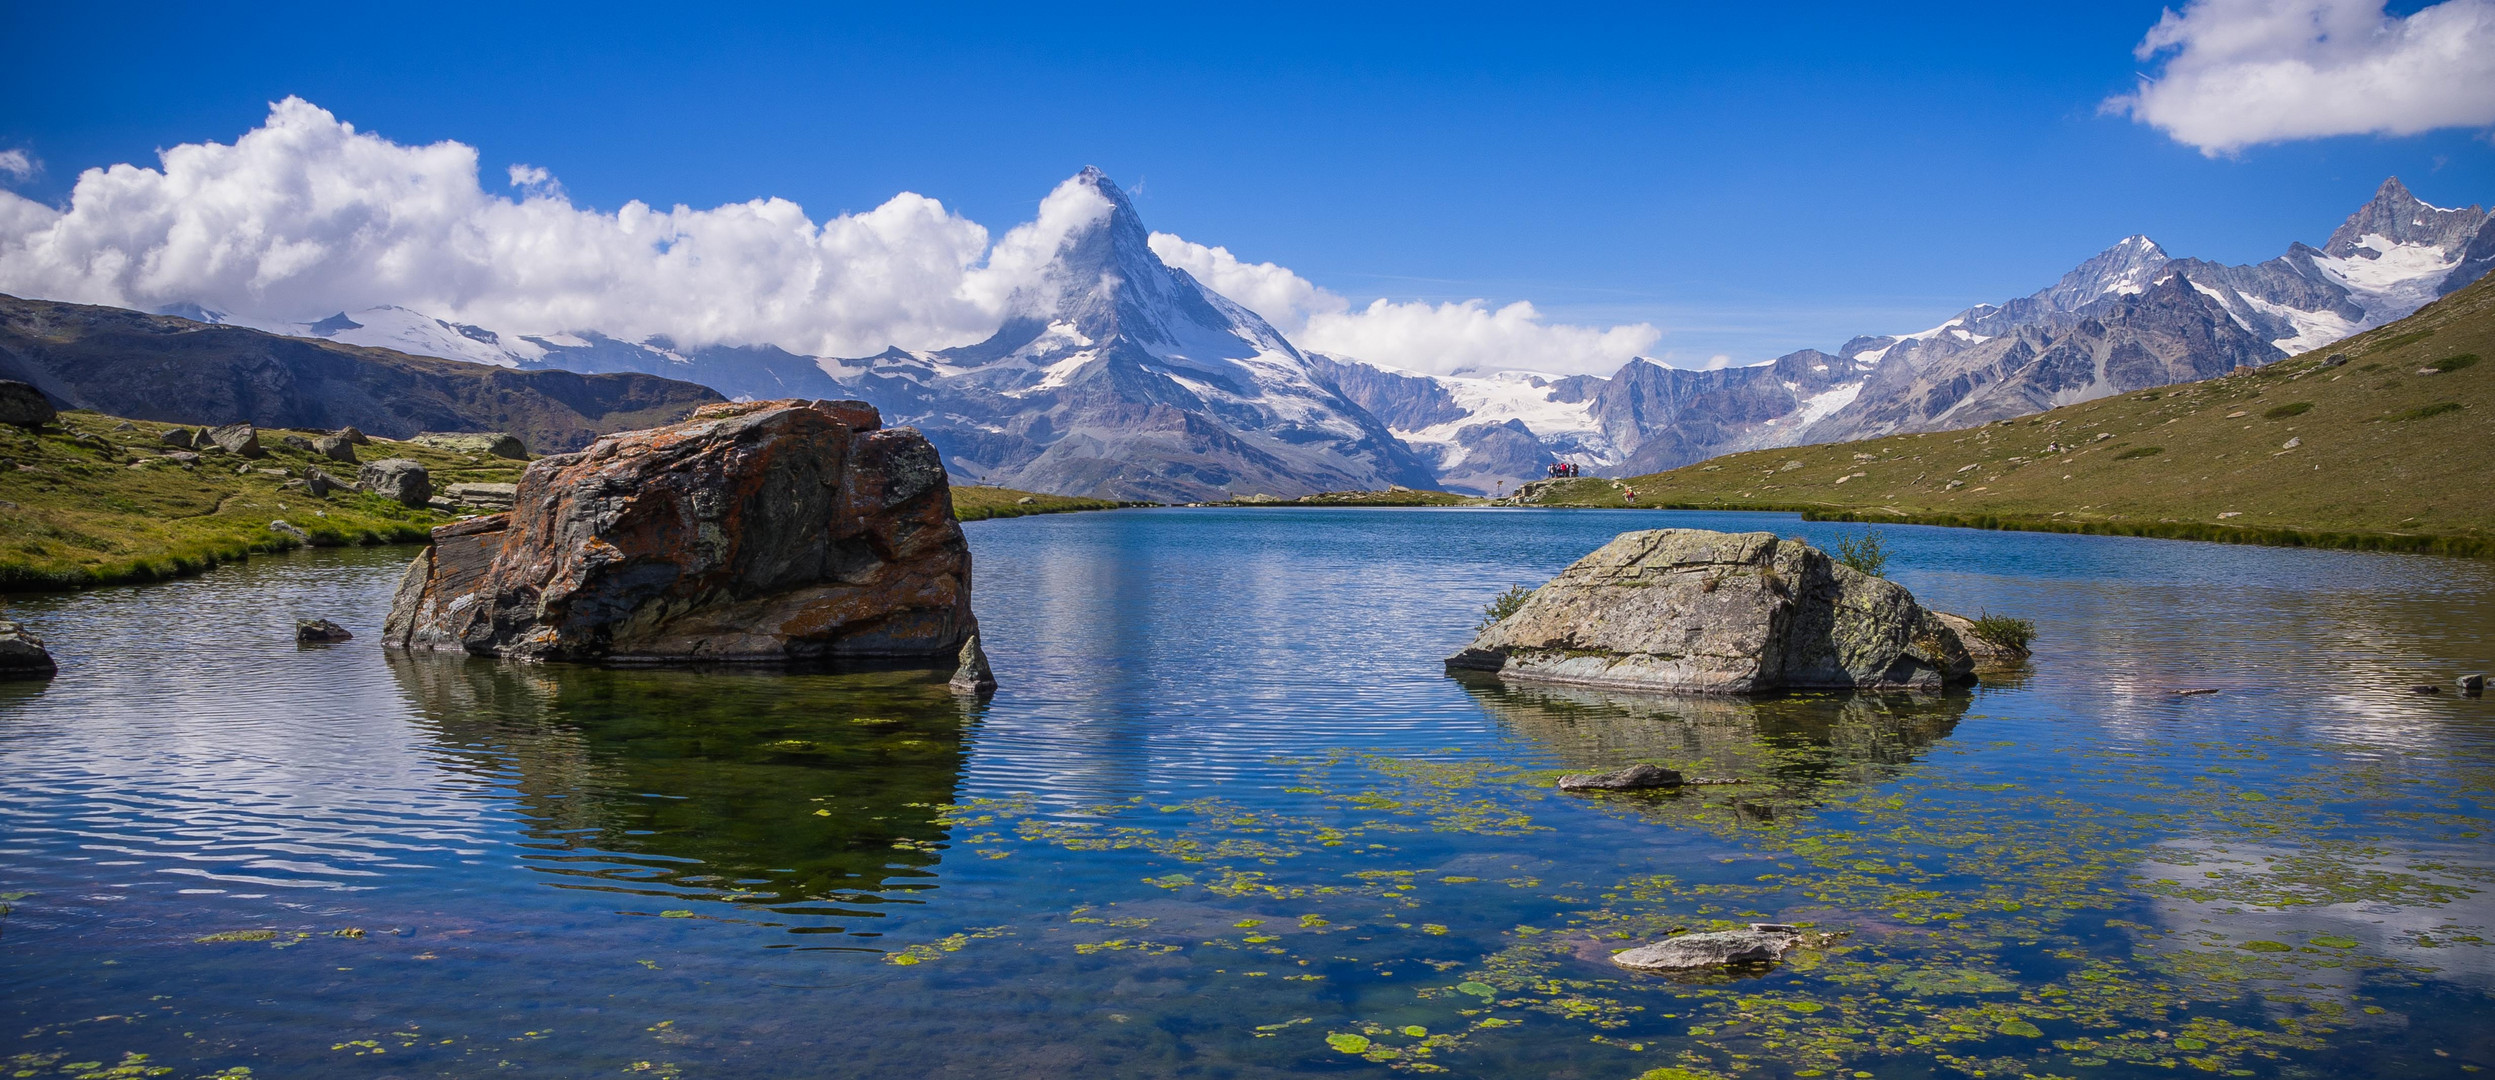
point(801, 800)
point(1793, 748)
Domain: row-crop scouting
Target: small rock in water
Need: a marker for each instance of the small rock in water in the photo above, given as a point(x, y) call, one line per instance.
point(2473, 685)
point(1717, 949)
point(1754, 812)
point(973, 676)
point(2425, 688)
point(22, 655)
point(2196, 691)
point(320, 632)
point(1633, 778)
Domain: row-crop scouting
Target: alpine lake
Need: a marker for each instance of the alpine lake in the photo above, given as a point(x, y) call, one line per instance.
point(1228, 817)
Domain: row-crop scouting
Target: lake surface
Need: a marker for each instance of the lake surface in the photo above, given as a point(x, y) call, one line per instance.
point(1227, 817)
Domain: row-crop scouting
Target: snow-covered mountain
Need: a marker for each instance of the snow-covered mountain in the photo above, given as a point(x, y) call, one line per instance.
point(1121, 376)
point(2129, 318)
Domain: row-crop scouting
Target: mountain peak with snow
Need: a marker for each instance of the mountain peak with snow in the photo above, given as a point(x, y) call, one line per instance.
point(2403, 219)
point(2127, 268)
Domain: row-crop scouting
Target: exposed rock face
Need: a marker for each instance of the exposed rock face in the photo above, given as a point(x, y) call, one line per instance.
point(23, 405)
point(1689, 610)
point(181, 437)
point(1633, 778)
point(335, 448)
point(754, 531)
point(1718, 949)
point(22, 655)
point(398, 478)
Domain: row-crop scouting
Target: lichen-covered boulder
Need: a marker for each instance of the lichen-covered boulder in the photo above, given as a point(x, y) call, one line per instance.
point(24, 406)
point(402, 479)
point(335, 448)
point(753, 531)
point(1695, 611)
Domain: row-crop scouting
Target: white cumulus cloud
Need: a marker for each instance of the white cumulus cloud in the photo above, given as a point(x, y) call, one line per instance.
point(16, 164)
point(305, 216)
point(2244, 72)
point(1470, 337)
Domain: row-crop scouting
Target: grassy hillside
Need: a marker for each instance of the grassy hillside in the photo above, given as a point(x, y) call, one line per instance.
point(2393, 449)
point(1390, 497)
point(980, 503)
point(95, 500)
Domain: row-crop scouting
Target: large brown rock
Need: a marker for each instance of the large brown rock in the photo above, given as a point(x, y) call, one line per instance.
point(754, 531)
point(1689, 610)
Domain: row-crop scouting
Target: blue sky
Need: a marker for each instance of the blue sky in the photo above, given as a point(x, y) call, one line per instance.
point(1749, 181)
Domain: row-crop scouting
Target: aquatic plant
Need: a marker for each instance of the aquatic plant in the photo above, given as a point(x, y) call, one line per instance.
point(2005, 632)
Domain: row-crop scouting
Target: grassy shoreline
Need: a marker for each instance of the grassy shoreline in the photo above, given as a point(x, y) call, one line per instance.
point(97, 500)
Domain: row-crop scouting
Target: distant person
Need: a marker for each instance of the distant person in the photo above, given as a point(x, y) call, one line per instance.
point(1628, 494)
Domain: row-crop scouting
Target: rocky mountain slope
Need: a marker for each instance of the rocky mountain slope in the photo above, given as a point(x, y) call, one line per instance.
point(2131, 318)
point(161, 367)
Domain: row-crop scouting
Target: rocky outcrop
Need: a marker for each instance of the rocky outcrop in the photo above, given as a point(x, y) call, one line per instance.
point(1986, 653)
point(1689, 610)
point(402, 479)
point(335, 447)
point(488, 496)
point(755, 531)
point(490, 444)
point(242, 440)
point(1687, 952)
point(22, 655)
point(24, 406)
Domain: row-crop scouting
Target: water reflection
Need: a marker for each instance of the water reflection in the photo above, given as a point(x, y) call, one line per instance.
point(809, 797)
point(1794, 746)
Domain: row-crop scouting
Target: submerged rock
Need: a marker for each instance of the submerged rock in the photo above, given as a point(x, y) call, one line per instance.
point(1633, 778)
point(401, 479)
point(22, 655)
point(24, 406)
point(2473, 685)
point(973, 676)
point(1718, 949)
point(320, 632)
point(754, 531)
point(1689, 610)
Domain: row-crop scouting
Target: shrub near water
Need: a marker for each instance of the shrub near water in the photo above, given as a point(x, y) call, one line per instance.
point(1502, 606)
point(1868, 552)
point(2006, 632)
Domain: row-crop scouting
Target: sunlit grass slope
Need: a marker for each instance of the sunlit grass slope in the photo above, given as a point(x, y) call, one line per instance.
point(2392, 449)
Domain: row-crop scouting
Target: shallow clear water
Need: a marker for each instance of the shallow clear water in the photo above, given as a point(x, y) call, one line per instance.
point(1227, 817)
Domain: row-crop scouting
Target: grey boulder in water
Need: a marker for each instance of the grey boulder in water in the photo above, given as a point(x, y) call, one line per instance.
point(1718, 949)
point(22, 655)
point(1695, 611)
